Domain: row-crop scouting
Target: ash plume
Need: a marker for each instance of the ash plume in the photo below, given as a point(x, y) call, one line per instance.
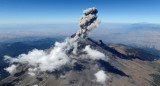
point(88, 21)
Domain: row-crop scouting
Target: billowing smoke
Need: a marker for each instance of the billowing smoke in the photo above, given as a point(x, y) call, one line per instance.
point(88, 21)
point(101, 77)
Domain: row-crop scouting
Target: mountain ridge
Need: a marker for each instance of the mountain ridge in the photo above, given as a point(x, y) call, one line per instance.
point(120, 68)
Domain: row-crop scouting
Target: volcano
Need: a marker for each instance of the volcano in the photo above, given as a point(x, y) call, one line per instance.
point(120, 68)
point(83, 61)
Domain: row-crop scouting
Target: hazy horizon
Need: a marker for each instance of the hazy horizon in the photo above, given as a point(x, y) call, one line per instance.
point(139, 34)
point(123, 21)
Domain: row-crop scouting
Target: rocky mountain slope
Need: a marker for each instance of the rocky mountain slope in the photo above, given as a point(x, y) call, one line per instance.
point(135, 52)
point(121, 68)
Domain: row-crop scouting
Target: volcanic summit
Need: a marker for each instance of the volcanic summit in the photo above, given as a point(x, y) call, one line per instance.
point(83, 61)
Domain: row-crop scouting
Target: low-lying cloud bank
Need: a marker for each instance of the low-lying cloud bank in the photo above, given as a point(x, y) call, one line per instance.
point(42, 60)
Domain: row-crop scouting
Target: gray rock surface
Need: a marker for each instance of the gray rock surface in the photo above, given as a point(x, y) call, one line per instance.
point(122, 70)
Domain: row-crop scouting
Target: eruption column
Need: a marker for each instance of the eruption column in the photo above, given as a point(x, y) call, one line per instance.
point(88, 21)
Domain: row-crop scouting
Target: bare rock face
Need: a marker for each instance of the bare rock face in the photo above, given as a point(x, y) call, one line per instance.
point(100, 42)
point(121, 69)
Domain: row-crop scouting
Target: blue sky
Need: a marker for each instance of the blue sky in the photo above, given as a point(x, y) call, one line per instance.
point(66, 11)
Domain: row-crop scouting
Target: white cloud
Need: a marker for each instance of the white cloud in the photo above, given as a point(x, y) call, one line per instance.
point(94, 54)
point(35, 85)
point(32, 71)
point(41, 60)
point(11, 69)
point(101, 77)
point(45, 61)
